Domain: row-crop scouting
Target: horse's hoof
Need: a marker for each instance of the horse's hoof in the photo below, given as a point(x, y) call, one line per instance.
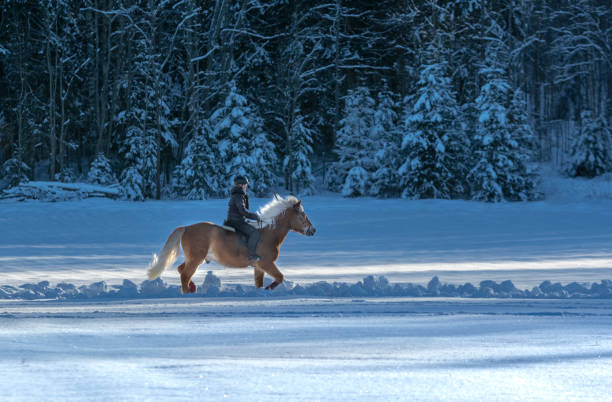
point(272, 285)
point(192, 287)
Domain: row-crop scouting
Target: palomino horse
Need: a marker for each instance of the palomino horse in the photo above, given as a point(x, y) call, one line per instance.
point(206, 241)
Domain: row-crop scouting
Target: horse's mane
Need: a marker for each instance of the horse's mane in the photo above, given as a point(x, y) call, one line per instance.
point(276, 207)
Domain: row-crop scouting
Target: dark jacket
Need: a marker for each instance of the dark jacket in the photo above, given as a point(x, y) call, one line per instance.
point(239, 206)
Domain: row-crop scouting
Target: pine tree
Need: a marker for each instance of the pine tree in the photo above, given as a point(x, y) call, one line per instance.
point(297, 163)
point(196, 177)
point(14, 170)
point(354, 145)
point(434, 146)
point(590, 149)
point(491, 140)
point(523, 184)
point(101, 172)
point(138, 178)
point(139, 146)
point(385, 179)
point(243, 145)
point(500, 171)
point(262, 160)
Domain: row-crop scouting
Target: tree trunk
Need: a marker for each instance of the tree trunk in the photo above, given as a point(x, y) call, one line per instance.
point(62, 138)
point(52, 72)
point(158, 138)
point(97, 95)
point(337, 77)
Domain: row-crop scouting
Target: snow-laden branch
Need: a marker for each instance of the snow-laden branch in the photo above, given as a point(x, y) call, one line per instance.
point(253, 34)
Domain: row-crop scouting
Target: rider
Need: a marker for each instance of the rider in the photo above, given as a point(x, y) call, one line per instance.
point(238, 211)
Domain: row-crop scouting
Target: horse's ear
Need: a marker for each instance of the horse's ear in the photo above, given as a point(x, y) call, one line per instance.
point(298, 205)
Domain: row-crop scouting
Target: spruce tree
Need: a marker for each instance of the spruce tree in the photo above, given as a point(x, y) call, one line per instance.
point(354, 145)
point(138, 178)
point(385, 179)
point(14, 170)
point(590, 155)
point(522, 185)
point(262, 160)
point(500, 171)
point(491, 140)
point(297, 164)
point(196, 177)
point(242, 144)
point(434, 146)
point(101, 172)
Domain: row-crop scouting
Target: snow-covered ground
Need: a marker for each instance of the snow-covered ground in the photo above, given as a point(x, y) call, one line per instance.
point(407, 241)
point(307, 349)
point(315, 348)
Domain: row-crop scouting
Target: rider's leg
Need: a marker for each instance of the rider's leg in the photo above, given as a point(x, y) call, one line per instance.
point(252, 244)
point(252, 235)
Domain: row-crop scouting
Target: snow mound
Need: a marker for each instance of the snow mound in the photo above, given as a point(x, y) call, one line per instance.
point(59, 191)
point(558, 187)
point(370, 286)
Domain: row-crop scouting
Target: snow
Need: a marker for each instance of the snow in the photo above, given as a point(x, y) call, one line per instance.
point(406, 241)
point(103, 333)
point(306, 349)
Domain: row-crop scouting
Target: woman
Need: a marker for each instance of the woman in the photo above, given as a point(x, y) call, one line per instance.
point(238, 211)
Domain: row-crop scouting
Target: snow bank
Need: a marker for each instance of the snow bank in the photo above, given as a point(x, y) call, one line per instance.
point(558, 187)
point(59, 191)
point(370, 286)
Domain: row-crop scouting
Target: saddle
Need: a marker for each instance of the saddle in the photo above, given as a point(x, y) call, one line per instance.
point(242, 238)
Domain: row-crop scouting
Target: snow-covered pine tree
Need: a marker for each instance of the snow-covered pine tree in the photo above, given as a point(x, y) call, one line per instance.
point(351, 173)
point(523, 184)
point(242, 143)
point(139, 147)
point(499, 171)
point(14, 169)
point(196, 178)
point(491, 147)
point(297, 165)
point(385, 131)
point(101, 172)
point(590, 155)
point(138, 178)
point(434, 146)
point(262, 159)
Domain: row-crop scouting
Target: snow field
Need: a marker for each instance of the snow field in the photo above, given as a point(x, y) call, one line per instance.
point(367, 349)
point(96, 240)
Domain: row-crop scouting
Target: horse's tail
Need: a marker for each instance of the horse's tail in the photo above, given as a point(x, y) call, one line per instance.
point(168, 255)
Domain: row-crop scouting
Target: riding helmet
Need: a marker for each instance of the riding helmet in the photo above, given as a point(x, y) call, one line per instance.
point(238, 180)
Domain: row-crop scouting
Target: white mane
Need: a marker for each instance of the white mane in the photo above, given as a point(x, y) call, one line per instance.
point(274, 208)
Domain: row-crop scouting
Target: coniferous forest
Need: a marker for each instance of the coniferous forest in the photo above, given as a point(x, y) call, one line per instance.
point(416, 99)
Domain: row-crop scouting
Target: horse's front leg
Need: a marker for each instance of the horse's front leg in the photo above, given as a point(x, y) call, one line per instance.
point(271, 269)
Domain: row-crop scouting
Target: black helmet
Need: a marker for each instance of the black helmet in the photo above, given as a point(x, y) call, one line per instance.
point(238, 180)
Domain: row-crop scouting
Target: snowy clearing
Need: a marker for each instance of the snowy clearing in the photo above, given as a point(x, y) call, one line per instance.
point(292, 348)
point(406, 241)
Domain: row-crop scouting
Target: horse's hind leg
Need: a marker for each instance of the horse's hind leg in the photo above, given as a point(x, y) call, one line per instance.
point(188, 270)
point(187, 285)
point(195, 247)
point(259, 277)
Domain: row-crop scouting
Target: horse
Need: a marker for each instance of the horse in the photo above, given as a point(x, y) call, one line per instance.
point(208, 242)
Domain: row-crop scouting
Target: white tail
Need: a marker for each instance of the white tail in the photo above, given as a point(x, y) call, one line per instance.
point(169, 254)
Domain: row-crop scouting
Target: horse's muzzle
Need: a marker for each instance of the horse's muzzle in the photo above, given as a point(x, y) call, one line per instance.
point(310, 231)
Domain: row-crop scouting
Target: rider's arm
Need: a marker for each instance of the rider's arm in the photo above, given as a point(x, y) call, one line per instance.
point(239, 202)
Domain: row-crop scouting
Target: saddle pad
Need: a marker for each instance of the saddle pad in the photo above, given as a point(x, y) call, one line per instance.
point(231, 229)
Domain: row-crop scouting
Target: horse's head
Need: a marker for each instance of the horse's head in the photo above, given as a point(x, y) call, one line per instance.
point(298, 220)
